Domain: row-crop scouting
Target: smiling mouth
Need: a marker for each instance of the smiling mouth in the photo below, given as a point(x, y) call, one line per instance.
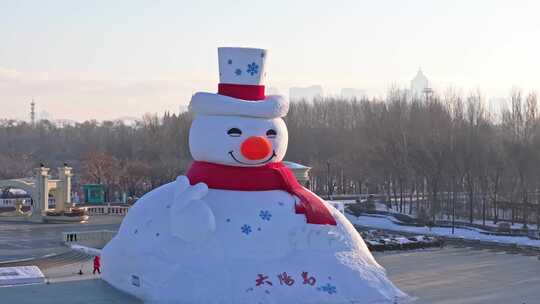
point(259, 163)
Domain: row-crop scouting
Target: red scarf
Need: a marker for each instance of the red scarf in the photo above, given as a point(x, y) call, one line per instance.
point(272, 176)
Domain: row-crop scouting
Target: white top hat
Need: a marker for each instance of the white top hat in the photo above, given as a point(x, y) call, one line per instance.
point(241, 65)
point(241, 88)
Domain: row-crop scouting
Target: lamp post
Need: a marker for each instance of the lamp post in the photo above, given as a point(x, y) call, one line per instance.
point(453, 208)
point(329, 182)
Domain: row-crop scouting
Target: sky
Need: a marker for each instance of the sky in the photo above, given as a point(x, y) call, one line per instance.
point(108, 59)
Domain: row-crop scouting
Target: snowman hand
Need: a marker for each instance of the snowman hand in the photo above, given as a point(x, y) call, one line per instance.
point(185, 193)
point(191, 219)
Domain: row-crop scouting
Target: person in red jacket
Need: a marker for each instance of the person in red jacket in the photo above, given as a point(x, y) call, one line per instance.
point(97, 264)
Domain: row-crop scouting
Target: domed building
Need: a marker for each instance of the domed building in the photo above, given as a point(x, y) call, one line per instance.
point(419, 84)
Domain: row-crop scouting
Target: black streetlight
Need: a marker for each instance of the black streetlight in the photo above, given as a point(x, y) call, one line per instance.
point(453, 211)
point(329, 180)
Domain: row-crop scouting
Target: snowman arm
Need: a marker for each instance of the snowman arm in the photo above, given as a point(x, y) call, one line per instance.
point(184, 193)
point(191, 219)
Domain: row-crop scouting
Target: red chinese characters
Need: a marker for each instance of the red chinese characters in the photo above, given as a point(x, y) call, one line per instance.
point(262, 279)
point(286, 279)
point(307, 279)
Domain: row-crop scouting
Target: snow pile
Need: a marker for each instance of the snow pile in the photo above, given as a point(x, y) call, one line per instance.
point(20, 275)
point(259, 252)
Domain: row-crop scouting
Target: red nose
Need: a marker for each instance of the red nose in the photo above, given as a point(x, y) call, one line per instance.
point(256, 147)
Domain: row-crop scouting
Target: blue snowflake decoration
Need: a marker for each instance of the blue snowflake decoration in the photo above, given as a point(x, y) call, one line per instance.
point(135, 281)
point(246, 229)
point(265, 215)
point(238, 72)
point(280, 203)
point(252, 69)
point(228, 220)
point(328, 288)
point(229, 61)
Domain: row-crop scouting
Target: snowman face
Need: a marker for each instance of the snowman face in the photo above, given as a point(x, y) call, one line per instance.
point(238, 141)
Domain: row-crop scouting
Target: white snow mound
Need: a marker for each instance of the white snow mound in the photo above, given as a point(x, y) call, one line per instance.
point(191, 244)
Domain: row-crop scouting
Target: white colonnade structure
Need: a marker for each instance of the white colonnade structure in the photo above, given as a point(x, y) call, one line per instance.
point(40, 186)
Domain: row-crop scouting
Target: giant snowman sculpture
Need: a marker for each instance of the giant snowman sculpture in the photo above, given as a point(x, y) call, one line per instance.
point(239, 228)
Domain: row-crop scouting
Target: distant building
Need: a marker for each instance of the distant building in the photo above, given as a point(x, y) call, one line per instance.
point(8, 198)
point(351, 93)
point(44, 115)
point(33, 113)
point(65, 122)
point(128, 120)
point(272, 91)
point(497, 105)
point(419, 84)
point(183, 108)
point(307, 93)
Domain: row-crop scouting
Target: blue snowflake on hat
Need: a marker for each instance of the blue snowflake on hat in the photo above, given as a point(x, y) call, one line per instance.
point(252, 68)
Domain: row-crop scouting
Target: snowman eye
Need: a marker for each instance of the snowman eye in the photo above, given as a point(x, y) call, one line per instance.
point(271, 133)
point(234, 132)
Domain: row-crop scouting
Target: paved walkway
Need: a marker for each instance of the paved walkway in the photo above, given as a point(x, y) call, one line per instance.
point(453, 275)
point(72, 292)
point(54, 261)
point(66, 285)
point(465, 275)
point(23, 240)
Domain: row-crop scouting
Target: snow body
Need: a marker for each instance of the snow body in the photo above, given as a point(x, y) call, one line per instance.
point(256, 233)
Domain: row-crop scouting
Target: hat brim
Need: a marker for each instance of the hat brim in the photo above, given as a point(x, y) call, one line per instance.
point(273, 106)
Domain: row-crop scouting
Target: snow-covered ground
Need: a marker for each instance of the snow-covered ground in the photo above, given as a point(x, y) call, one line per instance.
point(382, 207)
point(504, 215)
point(383, 222)
point(491, 224)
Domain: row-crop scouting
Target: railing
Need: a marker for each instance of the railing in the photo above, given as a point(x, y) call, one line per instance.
point(106, 210)
point(94, 239)
point(534, 234)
